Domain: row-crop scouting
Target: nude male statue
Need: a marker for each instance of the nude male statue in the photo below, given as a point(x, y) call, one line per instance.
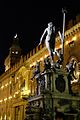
point(50, 40)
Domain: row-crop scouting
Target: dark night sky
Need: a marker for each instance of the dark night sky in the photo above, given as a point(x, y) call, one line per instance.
point(28, 19)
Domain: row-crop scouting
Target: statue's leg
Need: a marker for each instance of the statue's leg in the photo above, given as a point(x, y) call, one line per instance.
point(50, 52)
point(51, 57)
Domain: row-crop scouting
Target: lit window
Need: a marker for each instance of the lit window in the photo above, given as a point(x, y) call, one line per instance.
point(13, 52)
point(74, 38)
point(16, 52)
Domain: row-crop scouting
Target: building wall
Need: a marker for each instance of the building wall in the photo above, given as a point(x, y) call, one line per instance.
point(16, 83)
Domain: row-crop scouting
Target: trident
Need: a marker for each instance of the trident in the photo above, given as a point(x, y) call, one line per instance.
point(63, 29)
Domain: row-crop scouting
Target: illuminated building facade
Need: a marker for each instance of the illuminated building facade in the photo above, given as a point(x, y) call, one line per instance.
point(16, 84)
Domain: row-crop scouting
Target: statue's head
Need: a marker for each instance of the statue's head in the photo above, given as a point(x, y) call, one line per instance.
point(50, 24)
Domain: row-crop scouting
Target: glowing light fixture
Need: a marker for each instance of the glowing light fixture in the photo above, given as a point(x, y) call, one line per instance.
point(74, 38)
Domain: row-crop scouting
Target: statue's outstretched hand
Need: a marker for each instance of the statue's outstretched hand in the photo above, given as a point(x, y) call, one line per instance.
point(39, 44)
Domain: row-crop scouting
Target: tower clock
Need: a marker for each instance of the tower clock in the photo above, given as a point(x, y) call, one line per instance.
point(15, 51)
